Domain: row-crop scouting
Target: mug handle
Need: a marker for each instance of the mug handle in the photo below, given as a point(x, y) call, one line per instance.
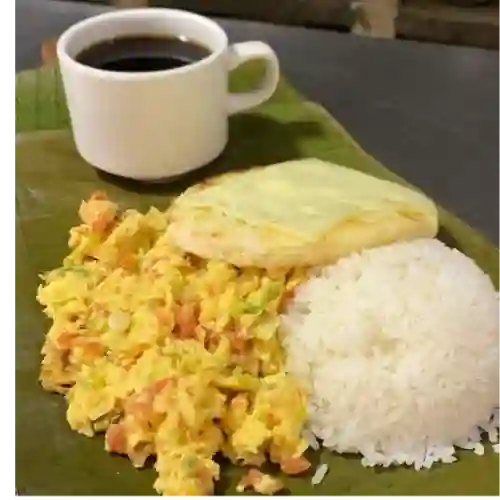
point(246, 51)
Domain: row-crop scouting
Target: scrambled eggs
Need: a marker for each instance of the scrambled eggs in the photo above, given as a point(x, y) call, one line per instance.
point(171, 355)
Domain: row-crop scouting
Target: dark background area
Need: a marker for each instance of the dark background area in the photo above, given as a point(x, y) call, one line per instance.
point(457, 22)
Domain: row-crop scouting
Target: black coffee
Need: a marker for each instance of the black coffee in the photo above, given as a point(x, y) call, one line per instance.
point(142, 53)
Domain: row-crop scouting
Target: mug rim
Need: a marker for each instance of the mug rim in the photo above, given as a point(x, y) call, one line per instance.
point(65, 38)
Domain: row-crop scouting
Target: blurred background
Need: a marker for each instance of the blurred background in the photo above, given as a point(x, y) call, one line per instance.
point(456, 22)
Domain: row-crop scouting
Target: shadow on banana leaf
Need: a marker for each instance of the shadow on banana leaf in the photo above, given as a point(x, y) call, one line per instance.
point(447, 238)
point(254, 139)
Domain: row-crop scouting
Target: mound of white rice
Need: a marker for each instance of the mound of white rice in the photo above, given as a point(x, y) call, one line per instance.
point(400, 346)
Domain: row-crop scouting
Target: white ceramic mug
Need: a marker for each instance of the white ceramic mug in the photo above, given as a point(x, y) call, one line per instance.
point(154, 125)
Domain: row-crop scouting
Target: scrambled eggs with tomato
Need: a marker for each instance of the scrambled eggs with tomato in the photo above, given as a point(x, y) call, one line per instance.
point(170, 355)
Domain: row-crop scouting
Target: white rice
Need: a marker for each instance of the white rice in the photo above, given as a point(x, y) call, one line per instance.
point(319, 474)
point(400, 347)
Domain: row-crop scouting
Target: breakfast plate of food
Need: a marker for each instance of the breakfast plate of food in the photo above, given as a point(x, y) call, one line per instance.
point(291, 319)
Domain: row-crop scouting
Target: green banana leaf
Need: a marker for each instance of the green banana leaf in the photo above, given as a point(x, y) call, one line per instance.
point(52, 179)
